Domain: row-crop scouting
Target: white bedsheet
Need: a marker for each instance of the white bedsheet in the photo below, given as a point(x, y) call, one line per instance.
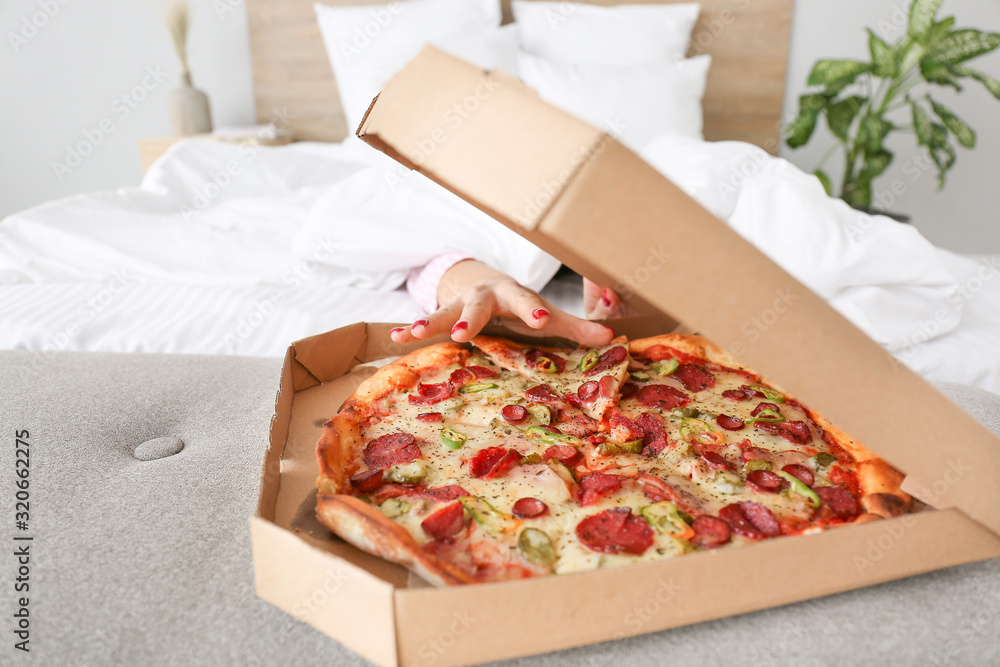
point(219, 253)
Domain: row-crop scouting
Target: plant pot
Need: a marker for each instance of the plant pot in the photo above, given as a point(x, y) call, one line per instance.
point(189, 109)
point(898, 217)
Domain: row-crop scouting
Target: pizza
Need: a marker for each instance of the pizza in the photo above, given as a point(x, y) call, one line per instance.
point(503, 460)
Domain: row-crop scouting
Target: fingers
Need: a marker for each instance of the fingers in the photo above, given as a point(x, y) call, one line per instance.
point(438, 322)
point(590, 334)
point(608, 305)
point(476, 314)
point(519, 301)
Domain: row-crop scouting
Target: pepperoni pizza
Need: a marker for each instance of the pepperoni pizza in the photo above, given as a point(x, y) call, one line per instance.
point(507, 461)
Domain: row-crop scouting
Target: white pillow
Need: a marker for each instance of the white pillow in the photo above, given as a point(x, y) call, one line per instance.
point(367, 44)
point(571, 32)
point(635, 104)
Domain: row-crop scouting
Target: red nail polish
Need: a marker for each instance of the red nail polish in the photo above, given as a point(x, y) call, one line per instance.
point(422, 322)
point(539, 313)
point(396, 330)
point(461, 325)
point(605, 300)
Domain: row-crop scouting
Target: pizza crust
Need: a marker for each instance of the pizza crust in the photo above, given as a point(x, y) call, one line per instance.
point(881, 492)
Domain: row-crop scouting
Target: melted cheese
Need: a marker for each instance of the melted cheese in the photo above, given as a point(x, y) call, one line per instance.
point(478, 416)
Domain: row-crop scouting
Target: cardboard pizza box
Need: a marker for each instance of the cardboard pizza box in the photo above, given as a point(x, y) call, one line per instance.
point(572, 190)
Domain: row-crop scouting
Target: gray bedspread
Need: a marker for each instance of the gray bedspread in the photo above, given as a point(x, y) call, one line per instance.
point(144, 559)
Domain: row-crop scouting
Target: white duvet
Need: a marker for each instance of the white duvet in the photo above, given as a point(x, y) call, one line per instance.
point(228, 249)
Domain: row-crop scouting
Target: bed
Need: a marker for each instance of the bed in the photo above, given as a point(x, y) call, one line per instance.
point(220, 259)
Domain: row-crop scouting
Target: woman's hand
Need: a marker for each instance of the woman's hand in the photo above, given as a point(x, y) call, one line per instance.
point(474, 294)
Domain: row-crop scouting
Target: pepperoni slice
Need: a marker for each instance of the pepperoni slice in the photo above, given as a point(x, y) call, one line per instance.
point(529, 508)
point(367, 481)
point(482, 372)
point(760, 517)
point(440, 493)
point(797, 432)
point(606, 386)
point(751, 393)
point(733, 515)
point(429, 394)
point(579, 426)
point(629, 389)
point(838, 501)
point(608, 360)
point(764, 406)
point(755, 454)
point(532, 356)
point(514, 414)
point(493, 462)
point(764, 481)
point(588, 391)
point(430, 417)
point(444, 522)
point(661, 397)
point(710, 532)
point(694, 378)
point(735, 395)
point(564, 454)
point(461, 377)
point(800, 472)
point(729, 423)
point(391, 449)
point(596, 485)
point(542, 394)
point(655, 439)
point(715, 460)
point(624, 429)
point(615, 531)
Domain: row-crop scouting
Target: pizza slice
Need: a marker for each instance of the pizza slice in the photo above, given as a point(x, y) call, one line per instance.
point(588, 379)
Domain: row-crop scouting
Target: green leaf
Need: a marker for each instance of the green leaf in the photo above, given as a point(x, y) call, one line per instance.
point(883, 60)
point(872, 132)
point(940, 29)
point(922, 13)
point(859, 191)
point(939, 137)
point(876, 163)
point(965, 135)
point(961, 45)
point(939, 74)
point(991, 84)
point(840, 115)
point(922, 125)
point(825, 181)
point(943, 156)
point(801, 129)
point(908, 55)
point(836, 71)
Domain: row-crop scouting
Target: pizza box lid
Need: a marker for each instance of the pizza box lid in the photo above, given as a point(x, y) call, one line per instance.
point(582, 196)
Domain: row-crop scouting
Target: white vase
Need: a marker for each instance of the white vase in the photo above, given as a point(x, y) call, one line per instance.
point(189, 110)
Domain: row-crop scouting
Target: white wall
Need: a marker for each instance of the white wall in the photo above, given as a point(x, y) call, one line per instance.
point(965, 216)
point(66, 79)
point(72, 72)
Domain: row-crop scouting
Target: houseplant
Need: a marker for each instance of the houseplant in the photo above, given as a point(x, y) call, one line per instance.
point(865, 102)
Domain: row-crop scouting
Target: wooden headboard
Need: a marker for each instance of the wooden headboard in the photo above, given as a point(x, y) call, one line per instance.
point(748, 40)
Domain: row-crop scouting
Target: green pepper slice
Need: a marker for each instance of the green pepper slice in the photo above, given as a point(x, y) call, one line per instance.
point(665, 367)
point(406, 473)
point(639, 376)
point(394, 507)
point(756, 464)
point(530, 459)
point(539, 433)
point(546, 365)
point(453, 439)
point(589, 360)
point(630, 447)
point(665, 518)
point(476, 387)
point(486, 515)
point(541, 413)
point(801, 489)
point(825, 459)
point(770, 394)
point(766, 415)
point(537, 547)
